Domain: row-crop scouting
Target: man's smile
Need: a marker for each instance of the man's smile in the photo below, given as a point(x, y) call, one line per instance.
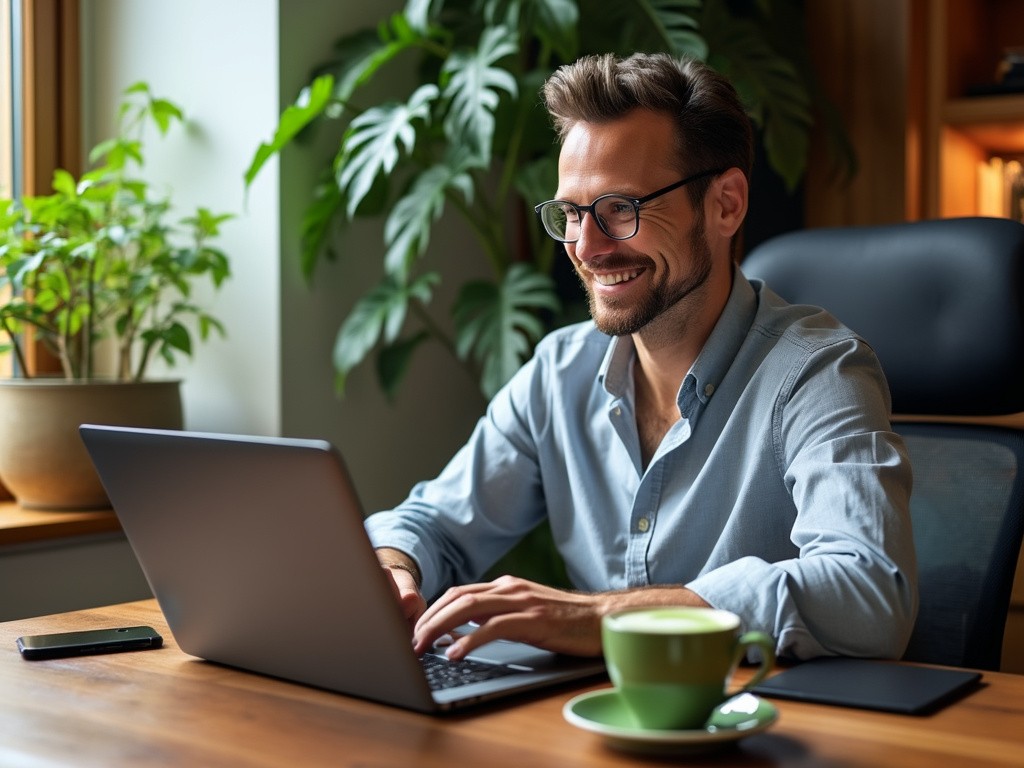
point(613, 278)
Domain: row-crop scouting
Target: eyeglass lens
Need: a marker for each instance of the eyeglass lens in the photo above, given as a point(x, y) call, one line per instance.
point(616, 215)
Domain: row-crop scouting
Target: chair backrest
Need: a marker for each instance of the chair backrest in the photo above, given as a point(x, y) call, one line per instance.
point(942, 304)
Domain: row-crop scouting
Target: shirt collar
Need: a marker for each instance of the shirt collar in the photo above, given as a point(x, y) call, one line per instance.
point(728, 335)
point(711, 365)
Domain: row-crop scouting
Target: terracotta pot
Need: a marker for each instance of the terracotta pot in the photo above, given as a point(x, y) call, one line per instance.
point(43, 462)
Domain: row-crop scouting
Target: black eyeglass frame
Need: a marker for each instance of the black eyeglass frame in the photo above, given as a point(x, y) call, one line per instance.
point(636, 201)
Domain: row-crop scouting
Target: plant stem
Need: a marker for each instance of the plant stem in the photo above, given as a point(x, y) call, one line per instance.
point(489, 236)
point(87, 325)
point(16, 348)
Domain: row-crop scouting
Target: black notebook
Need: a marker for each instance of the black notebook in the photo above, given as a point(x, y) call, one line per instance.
point(869, 684)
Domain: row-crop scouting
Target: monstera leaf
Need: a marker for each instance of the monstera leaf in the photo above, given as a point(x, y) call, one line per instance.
point(676, 25)
point(379, 315)
point(772, 89)
point(497, 324)
point(473, 85)
point(374, 141)
point(407, 230)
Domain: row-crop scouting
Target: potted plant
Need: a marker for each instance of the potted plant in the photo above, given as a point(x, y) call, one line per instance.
point(469, 135)
point(97, 276)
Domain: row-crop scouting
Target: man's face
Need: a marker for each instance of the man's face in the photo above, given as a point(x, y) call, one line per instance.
point(632, 282)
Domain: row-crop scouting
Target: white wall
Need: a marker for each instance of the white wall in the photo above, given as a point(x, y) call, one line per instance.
point(233, 65)
point(224, 74)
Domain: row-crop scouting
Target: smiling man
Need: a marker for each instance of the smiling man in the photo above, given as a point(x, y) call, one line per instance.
point(700, 442)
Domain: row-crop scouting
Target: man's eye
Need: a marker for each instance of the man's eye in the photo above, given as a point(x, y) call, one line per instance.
point(617, 209)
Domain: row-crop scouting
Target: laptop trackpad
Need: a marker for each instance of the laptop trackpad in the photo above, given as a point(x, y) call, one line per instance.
point(508, 652)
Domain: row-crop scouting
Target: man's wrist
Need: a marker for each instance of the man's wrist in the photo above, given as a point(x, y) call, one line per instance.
point(402, 562)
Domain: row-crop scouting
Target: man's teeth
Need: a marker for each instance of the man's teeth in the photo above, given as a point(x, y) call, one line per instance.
point(617, 277)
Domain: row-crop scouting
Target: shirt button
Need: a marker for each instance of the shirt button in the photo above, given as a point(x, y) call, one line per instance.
point(618, 411)
point(643, 524)
point(709, 390)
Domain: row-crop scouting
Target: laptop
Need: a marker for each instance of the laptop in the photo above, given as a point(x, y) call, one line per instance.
point(255, 550)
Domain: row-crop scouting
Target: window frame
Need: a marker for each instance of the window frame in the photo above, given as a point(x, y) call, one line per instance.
point(46, 98)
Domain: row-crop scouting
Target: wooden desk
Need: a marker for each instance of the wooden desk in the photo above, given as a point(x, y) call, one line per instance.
point(163, 707)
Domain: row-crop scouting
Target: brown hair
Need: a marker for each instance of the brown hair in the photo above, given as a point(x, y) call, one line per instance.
point(712, 129)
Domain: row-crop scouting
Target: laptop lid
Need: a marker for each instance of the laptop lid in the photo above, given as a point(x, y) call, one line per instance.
point(255, 550)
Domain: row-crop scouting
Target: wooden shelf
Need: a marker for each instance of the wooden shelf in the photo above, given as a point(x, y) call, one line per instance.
point(22, 526)
point(964, 41)
point(981, 109)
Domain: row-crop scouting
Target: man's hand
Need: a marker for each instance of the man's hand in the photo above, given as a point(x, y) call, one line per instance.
point(511, 608)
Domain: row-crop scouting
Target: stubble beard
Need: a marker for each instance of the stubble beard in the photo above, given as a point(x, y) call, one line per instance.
point(629, 319)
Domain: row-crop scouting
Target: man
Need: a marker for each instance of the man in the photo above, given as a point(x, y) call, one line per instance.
point(700, 442)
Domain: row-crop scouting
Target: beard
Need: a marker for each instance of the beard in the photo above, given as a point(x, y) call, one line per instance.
point(628, 319)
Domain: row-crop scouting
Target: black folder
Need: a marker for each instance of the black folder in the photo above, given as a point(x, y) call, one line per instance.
point(871, 684)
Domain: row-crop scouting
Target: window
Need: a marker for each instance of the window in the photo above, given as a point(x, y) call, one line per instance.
point(8, 112)
point(8, 109)
point(39, 112)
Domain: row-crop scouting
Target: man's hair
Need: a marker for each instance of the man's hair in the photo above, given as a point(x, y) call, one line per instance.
point(712, 129)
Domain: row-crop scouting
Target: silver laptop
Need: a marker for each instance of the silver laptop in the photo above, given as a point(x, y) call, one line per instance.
point(255, 549)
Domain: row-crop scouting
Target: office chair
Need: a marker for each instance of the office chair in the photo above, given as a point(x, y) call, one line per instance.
point(942, 304)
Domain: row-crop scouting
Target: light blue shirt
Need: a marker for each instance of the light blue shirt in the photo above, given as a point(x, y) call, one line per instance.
point(781, 494)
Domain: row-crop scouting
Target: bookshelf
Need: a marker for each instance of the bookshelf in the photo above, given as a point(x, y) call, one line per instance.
point(973, 134)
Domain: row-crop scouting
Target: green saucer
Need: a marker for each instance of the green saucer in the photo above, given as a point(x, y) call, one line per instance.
point(604, 713)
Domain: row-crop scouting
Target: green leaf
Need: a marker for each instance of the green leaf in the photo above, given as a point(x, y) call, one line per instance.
point(316, 224)
point(472, 86)
point(556, 25)
point(787, 142)
point(393, 362)
point(64, 183)
point(176, 336)
point(379, 314)
point(358, 57)
point(206, 223)
point(417, 13)
point(537, 181)
point(310, 104)
point(407, 229)
point(372, 144)
point(497, 324)
point(139, 86)
point(208, 323)
point(163, 113)
point(772, 89)
point(676, 25)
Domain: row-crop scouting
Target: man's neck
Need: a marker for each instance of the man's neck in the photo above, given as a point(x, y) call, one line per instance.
point(665, 351)
point(667, 348)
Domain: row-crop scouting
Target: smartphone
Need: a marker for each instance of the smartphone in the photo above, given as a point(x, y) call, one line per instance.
point(91, 641)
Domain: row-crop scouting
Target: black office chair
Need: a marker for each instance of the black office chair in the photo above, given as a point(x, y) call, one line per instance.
point(942, 304)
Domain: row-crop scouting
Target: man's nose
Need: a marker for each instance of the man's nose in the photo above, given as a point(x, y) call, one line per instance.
point(593, 241)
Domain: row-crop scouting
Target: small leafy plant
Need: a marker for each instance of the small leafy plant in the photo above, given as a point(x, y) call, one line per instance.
point(97, 259)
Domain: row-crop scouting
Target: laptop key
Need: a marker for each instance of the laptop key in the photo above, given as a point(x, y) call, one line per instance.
point(443, 673)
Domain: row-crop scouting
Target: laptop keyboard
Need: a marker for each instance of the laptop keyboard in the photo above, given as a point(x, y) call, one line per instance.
point(442, 673)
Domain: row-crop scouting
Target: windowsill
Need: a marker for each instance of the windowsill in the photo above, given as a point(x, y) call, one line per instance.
point(23, 526)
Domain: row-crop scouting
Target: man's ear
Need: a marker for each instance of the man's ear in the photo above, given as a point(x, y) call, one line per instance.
point(727, 203)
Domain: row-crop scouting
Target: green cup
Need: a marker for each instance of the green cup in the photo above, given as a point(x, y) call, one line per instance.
point(671, 666)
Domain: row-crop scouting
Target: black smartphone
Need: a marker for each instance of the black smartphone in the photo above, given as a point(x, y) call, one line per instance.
point(90, 641)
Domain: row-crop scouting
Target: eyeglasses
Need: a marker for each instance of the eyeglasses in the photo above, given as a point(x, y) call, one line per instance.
point(618, 216)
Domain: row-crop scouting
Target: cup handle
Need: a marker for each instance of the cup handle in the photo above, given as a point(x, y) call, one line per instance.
point(767, 646)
